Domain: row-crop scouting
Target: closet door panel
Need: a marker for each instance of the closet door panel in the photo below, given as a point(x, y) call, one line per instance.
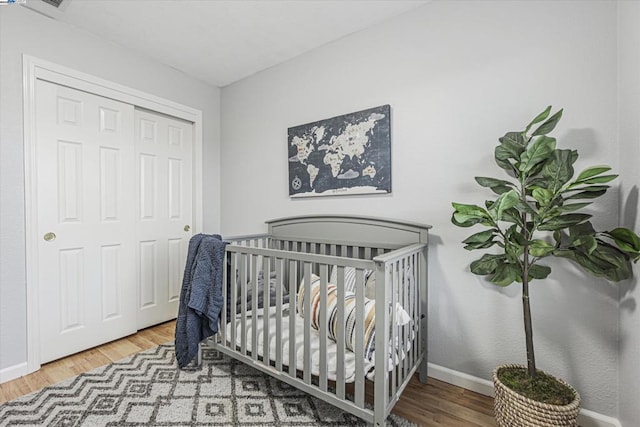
point(86, 255)
point(164, 152)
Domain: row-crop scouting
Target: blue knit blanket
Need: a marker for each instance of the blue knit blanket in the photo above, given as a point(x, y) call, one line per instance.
point(201, 295)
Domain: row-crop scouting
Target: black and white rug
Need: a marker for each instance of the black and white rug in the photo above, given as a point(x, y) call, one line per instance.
point(147, 389)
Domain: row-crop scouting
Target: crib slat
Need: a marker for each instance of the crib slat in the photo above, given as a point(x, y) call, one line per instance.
point(234, 298)
point(394, 330)
point(414, 315)
point(359, 341)
point(322, 330)
point(266, 300)
point(381, 381)
point(293, 292)
point(254, 307)
point(405, 329)
point(400, 329)
point(243, 303)
point(422, 272)
point(222, 330)
point(409, 327)
point(340, 333)
point(279, 281)
point(307, 322)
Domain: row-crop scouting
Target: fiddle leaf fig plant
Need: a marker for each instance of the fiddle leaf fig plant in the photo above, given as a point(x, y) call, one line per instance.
point(536, 214)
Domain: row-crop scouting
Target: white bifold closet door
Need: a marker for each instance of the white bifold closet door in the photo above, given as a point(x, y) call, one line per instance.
point(164, 147)
point(114, 210)
point(86, 268)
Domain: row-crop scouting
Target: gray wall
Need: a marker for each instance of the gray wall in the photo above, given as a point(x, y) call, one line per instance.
point(629, 136)
point(24, 31)
point(457, 76)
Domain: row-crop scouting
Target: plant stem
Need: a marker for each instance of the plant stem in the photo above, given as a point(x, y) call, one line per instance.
point(526, 308)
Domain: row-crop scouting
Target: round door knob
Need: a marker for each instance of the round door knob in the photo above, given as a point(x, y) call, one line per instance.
point(187, 228)
point(49, 237)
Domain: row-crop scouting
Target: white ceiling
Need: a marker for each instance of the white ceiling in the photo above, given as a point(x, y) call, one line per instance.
point(223, 41)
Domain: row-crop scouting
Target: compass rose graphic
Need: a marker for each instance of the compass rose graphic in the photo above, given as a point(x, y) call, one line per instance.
point(296, 184)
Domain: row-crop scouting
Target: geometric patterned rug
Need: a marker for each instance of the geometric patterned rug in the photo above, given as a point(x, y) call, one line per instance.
point(147, 389)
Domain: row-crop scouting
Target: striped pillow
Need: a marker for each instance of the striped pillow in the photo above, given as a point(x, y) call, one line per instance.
point(350, 279)
point(350, 314)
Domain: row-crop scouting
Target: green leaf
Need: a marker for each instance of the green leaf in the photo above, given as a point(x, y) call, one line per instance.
point(605, 261)
point(512, 215)
point(539, 248)
point(590, 263)
point(582, 229)
point(572, 207)
point(599, 179)
point(467, 215)
point(589, 243)
point(563, 221)
point(620, 267)
point(513, 143)
point(540, 117)
point(502, 156)
point(481, 240)
point(542, 196)
point(549, 125)
point(487, 264)
point(558, 170)
point(505, 201)
point(480, 237)
point(468, 223)
point(515, 237)
point(626, 239)
point(537, 152)
point(587, 195)
point(506, 274)
point(525, 207)
point(539, 271)
point(592, 171)
point(498, 186)
point(590, 188)
point(479, 245)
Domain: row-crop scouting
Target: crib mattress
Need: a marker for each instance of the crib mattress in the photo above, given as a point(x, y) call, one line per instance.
point(332, 348)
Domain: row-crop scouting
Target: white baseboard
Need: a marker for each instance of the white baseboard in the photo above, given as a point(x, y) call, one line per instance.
point(461, 379)
point(585, 419)
point(593, 419)
point(13, 372)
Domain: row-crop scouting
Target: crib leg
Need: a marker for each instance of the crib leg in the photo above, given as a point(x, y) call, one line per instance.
point(379, 420)
point(423, 371)
point(425, 359)
point(199, 355)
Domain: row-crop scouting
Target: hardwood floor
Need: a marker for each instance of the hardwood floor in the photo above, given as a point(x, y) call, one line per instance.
point(433, 404)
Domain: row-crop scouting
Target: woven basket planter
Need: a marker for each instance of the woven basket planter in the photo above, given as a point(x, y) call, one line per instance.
point(514, 409)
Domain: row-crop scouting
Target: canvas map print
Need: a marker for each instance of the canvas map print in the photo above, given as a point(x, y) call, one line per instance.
point(349, 154)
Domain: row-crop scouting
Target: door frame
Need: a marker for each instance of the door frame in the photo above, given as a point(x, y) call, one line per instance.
point(38, 69)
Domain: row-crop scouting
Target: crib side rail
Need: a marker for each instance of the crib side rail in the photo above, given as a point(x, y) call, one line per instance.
point(287, 353)
point(255, 240)
point(326, 247)
point(404, 275)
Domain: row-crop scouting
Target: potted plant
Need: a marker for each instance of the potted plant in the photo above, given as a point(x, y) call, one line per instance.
point(535, 214)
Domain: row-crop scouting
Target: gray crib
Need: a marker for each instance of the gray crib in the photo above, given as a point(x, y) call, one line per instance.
point(318, 342)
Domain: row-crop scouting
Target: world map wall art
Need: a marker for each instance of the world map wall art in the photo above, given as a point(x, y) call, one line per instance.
point(343, 155)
